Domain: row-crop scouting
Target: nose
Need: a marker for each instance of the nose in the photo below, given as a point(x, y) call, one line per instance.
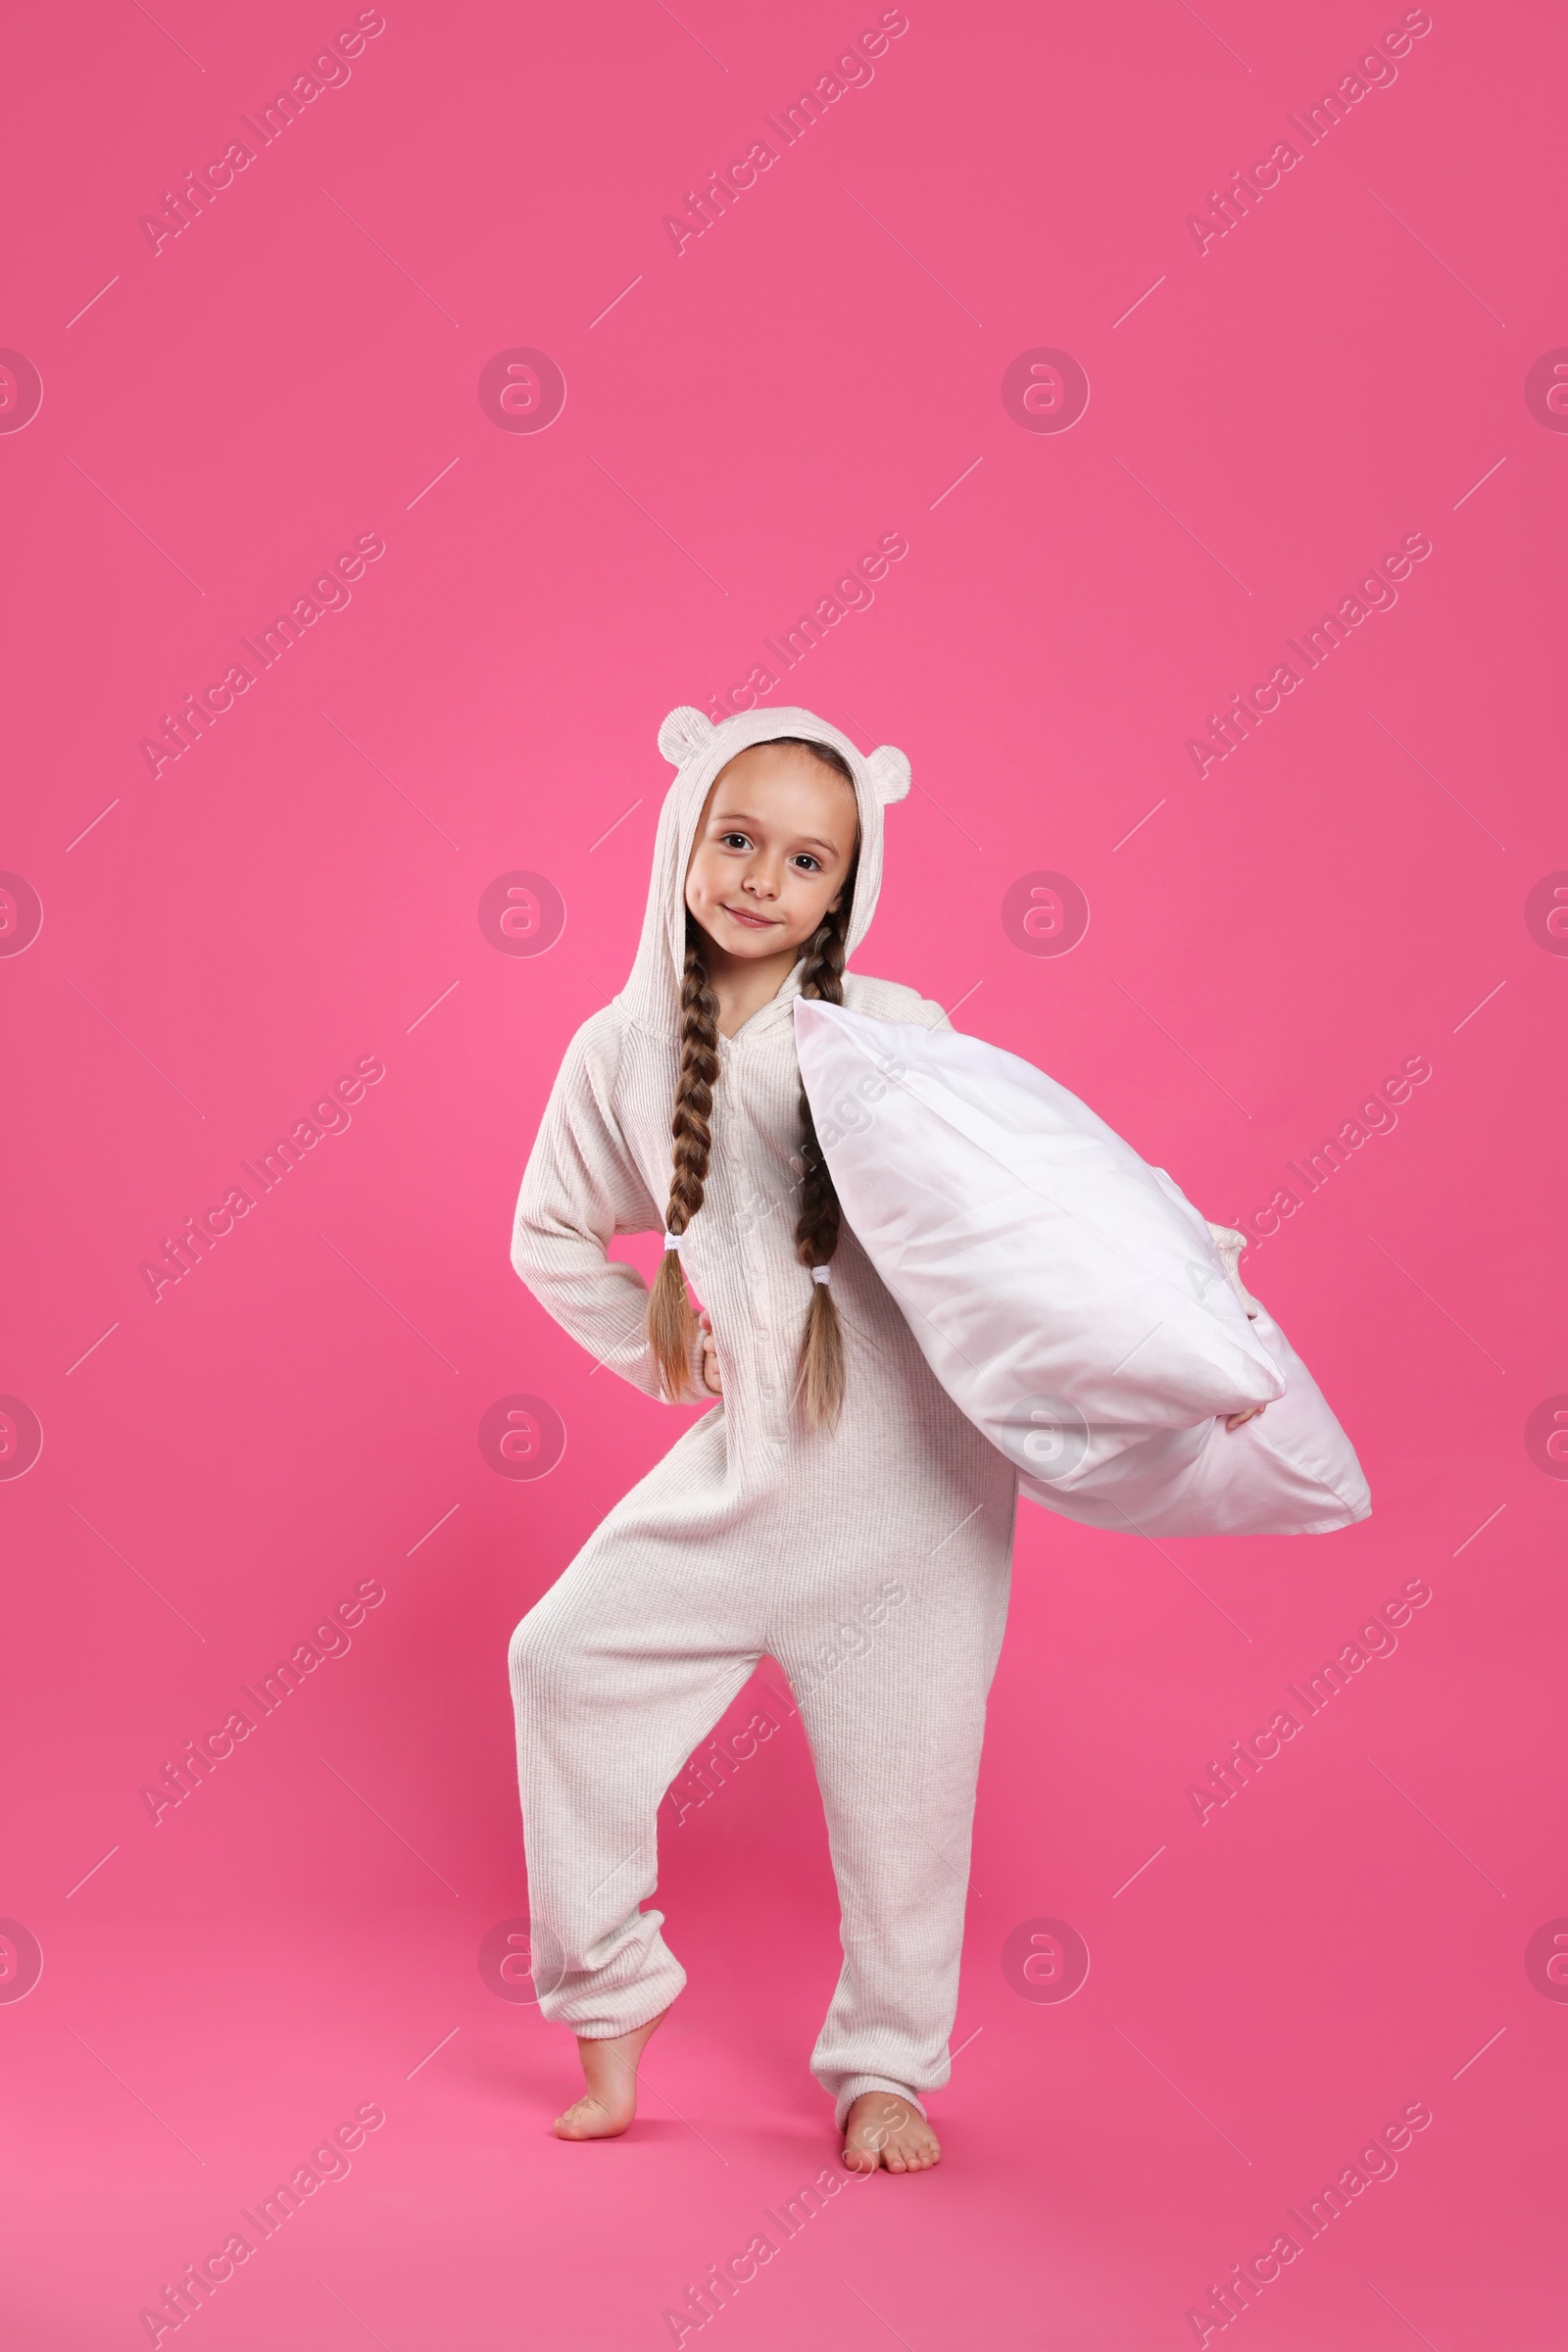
point(760, 880)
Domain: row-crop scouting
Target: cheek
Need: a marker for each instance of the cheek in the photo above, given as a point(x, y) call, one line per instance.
point(814, 894)
point(699, 877)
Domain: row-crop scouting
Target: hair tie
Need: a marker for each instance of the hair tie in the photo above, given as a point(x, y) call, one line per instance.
point(672, 1240)
point(821, 1273)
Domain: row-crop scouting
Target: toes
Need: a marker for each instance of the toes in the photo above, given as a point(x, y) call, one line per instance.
point(891, 2135)
point(584, 2119)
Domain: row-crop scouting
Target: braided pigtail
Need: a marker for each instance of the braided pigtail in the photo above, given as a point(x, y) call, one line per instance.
point(671, 1325)
point(819, 1378)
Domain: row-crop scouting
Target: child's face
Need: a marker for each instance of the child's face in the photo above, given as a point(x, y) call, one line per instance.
point(772, 852)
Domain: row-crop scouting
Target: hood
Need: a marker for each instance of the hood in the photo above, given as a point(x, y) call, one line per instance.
point(698, 750)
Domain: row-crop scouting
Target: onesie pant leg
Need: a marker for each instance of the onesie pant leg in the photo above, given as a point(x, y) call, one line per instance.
point(895, 1733)
point(617, 1676)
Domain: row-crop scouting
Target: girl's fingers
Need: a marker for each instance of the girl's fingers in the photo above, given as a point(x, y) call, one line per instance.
point(710, 1379)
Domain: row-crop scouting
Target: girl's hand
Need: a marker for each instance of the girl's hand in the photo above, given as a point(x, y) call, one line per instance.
point(711, 1380)
point(1235, 1420)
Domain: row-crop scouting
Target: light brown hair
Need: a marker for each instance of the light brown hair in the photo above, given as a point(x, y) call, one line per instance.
point(672, 1326)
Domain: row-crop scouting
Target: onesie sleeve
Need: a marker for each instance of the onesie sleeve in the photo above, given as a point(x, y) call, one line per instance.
point(581, 1188)
point(891, 1001)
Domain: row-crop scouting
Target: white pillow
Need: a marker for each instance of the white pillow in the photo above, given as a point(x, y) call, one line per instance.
point(1070, 1298)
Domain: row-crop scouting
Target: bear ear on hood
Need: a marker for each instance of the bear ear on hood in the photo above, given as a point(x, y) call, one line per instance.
point(683, 735)
point(890, 773)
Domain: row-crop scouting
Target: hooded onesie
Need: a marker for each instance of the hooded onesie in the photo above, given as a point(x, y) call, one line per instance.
point(872, 1560)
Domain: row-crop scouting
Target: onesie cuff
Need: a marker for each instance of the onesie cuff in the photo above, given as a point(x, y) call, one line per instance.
point(628, 2024)
point(857, 2084)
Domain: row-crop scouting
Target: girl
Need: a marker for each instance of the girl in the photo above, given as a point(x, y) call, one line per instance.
point(835, 1481)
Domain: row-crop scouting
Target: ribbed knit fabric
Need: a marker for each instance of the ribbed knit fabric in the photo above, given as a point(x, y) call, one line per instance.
point(872, 1561)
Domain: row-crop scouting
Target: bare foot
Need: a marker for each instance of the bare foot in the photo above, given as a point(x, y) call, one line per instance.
point(609, 2070)
point(882, 2128)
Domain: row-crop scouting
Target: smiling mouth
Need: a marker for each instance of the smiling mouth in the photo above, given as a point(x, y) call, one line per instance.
point(752, 922)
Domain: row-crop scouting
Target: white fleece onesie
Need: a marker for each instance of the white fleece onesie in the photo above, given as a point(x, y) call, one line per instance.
point(753, 1537)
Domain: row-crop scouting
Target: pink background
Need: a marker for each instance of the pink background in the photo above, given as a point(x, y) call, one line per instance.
point(1267, 419)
